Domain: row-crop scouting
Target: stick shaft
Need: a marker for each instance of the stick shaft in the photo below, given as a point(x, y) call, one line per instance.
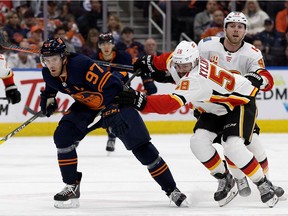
point(115, 65)
point(9, 46)
point(18, 129)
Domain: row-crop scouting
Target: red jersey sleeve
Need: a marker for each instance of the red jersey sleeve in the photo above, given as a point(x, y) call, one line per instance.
point(270, 82)
point(162, 104)
point(9, 80)
point(160, 62)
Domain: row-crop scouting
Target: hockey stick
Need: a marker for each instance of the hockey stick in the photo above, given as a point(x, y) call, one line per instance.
point(110, 64)
point(31, 111)
point(38, 114)
point(9, 46)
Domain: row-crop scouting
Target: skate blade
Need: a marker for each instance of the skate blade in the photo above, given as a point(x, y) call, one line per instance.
point(272, 202)
point(283, 197)
point(231, 195)
point(72, 203)
point(109, 153)
point(185, 204)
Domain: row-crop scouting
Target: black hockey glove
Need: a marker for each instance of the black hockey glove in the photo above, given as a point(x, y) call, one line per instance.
point(113, 121)
point(12, 93)
point(254, 78)
point(48, 104)
point(145, 64)
point(132, 98)
point(149, 85)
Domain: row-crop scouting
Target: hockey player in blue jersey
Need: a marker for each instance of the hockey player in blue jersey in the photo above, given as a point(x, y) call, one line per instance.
point(108, 53)
point(93, 88)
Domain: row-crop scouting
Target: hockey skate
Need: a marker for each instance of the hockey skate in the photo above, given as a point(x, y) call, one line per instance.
point(178, 198)
point(68, 197)
point(227, 189)
point(279, 191)
point(267, 192)
point(110, 146)
point(243, 187)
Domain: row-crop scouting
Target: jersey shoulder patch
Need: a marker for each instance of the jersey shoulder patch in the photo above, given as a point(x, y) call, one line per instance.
point(207, 39)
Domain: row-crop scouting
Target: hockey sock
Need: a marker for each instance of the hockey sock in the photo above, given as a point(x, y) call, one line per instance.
point(68, 166)
point(159, 170)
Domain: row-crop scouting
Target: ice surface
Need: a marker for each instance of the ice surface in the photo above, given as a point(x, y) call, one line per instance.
point(119, 184)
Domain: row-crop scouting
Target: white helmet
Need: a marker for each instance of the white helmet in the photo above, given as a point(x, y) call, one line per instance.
point(237, 17)
point(186, 52)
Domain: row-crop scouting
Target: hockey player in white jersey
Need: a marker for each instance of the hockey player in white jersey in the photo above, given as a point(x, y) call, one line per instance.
point(205, 86)
point(7, 76)
point(5, 71)
point(233, 53)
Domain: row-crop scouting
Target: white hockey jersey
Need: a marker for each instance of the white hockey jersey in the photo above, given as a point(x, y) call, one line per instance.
point(211, 88)
point(4, 70)
point(248, 58)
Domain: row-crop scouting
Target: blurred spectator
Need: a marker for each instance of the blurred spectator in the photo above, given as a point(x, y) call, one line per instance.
point(65, 11)
point(22, 8)
point(216, 27)
point(73, 35)
point(2, 20)
point(203, 19)
point(90, 18)
point(36, 37)
point(22, 59)
point(281, 19)
point(128, 43)
point(259, 45)
point(29, 19)
point(52, 9)
point(14, 30)
point(272, 7)
point(270, 36)
point(61, 32)
point(273, 41)
point(114, 26)
point(5, 52)
point(150, 47)
point(91, 45)
point(35, 40)
point(255, 17)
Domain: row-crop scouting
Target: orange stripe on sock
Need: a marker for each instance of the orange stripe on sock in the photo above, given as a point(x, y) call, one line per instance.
point(67, 160)
point(159, 173)
point(65, 164)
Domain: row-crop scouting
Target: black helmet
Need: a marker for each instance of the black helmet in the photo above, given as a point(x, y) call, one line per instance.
point(106, 37)
point(53, 47)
